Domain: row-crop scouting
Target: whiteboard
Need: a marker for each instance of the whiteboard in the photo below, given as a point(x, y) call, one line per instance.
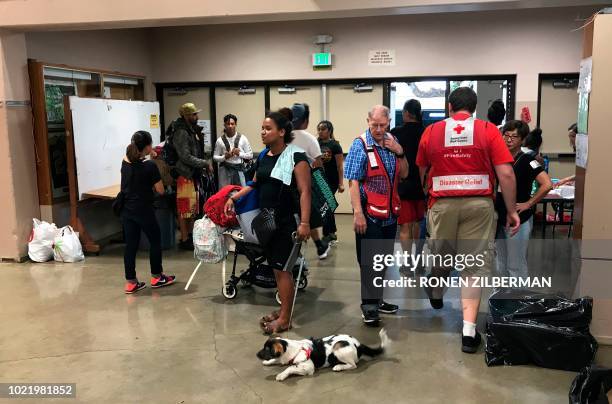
point(102, 129)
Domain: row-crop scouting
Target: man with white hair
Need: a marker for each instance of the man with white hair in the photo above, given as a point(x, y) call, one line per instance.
point(374, 165)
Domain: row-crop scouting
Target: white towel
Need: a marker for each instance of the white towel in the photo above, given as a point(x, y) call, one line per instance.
point(283, 169)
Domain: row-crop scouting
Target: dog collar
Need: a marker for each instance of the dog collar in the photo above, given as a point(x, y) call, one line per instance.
point(308, 352)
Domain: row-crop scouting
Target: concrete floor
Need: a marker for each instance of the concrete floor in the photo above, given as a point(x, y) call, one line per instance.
point(72, 323)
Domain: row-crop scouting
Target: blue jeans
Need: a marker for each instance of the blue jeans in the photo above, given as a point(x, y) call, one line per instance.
point(512, 251)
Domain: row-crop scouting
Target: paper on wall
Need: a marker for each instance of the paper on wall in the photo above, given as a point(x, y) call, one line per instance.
point(584, 82)
point(583, 113)
point(582, 150)
point(205, 124)
point(154, 121)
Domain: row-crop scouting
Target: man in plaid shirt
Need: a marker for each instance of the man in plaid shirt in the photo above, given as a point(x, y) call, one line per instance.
point(374, 235)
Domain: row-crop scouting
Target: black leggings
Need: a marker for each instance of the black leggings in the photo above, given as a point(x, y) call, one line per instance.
point(132, 227)
point(329, 225)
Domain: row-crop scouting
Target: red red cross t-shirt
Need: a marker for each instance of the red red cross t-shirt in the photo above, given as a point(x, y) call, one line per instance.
point(461, 153)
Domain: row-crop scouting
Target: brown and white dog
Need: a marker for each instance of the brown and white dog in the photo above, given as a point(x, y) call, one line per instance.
point(341, 352)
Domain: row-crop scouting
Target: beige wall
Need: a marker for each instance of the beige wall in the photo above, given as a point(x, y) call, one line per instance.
point(525, 43)
point(126, 51)
point(19, 201)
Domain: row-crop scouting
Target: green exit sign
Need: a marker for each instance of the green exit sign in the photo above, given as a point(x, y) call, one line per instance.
point(321, 59)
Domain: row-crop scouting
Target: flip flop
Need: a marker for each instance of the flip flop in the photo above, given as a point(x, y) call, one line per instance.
point(270, 317)
point(269, 328)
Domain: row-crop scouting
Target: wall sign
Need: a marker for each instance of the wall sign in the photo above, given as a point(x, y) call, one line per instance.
point(381, 57)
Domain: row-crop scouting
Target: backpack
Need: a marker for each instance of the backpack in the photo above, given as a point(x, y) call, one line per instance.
point(214, 206)
point(208, 241)
point(169, 154)
point(226, 142)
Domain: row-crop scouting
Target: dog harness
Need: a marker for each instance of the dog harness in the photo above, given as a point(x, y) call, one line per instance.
point(307, 351)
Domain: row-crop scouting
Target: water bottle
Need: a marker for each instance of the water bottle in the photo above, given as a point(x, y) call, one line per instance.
point(546, 161)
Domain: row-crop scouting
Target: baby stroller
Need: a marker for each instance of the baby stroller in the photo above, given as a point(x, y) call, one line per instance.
point(242, 241)
point(258, 272)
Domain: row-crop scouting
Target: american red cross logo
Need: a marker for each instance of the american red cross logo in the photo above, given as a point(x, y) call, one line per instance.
point(459, 129)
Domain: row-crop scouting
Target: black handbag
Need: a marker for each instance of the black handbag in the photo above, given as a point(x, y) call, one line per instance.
point(119, 203)
point(264, 225)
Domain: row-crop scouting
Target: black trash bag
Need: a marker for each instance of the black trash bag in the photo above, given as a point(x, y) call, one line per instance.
point(542, 308)
point(592, 386)
point(550, 331)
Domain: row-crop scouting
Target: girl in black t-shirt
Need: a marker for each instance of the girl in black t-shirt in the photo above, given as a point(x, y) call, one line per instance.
point(333, 165)
point(139, 180)
point(512, 250)
point(287, 201)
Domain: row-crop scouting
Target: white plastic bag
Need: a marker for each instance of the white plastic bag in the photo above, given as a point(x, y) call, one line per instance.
point(208, 241)
point(67, 247)
point(40, 246)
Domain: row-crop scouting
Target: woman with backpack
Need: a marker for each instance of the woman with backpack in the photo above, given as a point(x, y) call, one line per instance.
point(282, 180)
point(140, 178)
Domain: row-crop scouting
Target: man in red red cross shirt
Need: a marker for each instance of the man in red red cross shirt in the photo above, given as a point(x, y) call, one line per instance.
point(461, 157)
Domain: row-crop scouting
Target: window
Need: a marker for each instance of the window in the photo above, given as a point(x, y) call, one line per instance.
point(431, 95)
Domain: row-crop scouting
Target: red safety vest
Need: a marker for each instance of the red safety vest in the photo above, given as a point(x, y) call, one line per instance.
point(460, 161)
point(382, 199)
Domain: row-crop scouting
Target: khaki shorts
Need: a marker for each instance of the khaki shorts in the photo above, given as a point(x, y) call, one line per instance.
point(462, 227)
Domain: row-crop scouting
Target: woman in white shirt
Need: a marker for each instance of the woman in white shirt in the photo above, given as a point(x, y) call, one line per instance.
point(231, 151)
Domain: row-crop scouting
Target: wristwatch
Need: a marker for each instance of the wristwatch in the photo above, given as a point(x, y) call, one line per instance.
point(401, 155)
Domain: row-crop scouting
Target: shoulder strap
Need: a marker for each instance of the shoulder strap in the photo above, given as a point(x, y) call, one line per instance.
point(130, 178)
point(370, 152)
point(519, 156)
point(365, 143)
point(262, 154)
point(169, 132)
point(236, 140)
point(225, 142)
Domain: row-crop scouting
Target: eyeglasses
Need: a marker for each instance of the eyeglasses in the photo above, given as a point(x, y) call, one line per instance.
point(511, 136)
point(379, 126)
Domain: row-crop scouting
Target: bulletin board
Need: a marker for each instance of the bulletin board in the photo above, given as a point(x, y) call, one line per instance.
point(101, 131)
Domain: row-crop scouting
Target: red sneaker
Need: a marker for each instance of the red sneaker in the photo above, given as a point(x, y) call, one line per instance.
point(131, 287)
point(163, 280)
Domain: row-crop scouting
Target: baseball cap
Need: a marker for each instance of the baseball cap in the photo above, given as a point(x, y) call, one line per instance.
point(188, 108)
point(299, 113)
